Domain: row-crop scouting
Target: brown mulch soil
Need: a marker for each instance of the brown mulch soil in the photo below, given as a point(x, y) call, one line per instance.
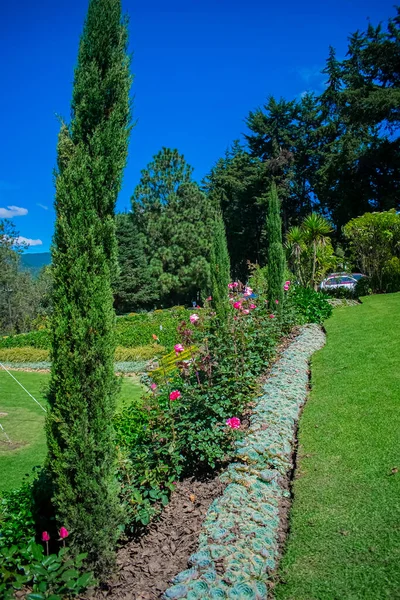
point(146, 565)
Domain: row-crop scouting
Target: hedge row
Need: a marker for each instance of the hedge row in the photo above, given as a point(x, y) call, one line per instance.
point(132, 331)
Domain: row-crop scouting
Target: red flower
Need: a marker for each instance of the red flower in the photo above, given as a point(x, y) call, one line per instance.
point(64, 533)
point(45, 536)
point(272, 316)
point(237, 305)
point(178, 348)
point(233, 423)
point(175, 395)
point(155, 337)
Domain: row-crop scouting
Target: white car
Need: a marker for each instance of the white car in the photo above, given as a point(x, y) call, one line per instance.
point(339, 281)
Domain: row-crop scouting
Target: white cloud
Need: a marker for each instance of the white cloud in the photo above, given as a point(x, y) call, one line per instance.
point(42, 206)
point(12, 211)
point(28, 241)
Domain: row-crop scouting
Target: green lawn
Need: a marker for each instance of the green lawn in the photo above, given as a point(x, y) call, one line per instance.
point(24, 423)
point(344, 541)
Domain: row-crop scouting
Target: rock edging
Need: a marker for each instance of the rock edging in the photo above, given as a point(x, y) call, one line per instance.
point(238, 544)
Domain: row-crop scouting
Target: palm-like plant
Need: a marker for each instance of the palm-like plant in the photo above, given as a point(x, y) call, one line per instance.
point(315, 230)
point(295, 246)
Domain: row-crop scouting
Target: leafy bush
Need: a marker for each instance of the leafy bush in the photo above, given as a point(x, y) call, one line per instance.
point(139, 353)
point(132, 331)
point(374, 240)
point(23, 354)
point(311, 305)
point(53, 577)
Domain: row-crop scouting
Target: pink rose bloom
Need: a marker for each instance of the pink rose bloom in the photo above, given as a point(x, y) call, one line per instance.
point(209, 299)
point(285, 287)
point(237, 305)
point(272, 316)
point(45, 536)
point(175, 395)
point(64, 533)
point(276, 301)
point(230, 286)
point(178, 348)
point(253, 306)
point(194, 318)
point(287, 282)
point(248, 291)
point(153, 386)
point(246, 311)
point(233, 423)
point(235, 284)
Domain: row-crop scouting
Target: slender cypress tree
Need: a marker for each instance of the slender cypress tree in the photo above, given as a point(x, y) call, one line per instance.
point(275, 252)
point(92, 153)
point(220, 268)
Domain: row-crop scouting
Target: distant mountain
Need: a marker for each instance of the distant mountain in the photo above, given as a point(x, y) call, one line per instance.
point(35, 261)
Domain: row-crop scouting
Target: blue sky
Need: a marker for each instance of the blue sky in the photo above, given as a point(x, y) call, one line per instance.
point(199, 67)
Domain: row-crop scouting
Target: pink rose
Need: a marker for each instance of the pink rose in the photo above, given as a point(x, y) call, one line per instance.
point(235, 284)
point(253, 306)
point(45, 536)
point(237, 305)
point(153, 386)
point(276, 301)
point(178, 348)
point(194, 318)
point(248, 291)
point(246, 311)
point(209, 299)
point(230, 286)
point(272, 316)
point(175, 395)
point(64, 533)
point(287, 282)
point(233, 423)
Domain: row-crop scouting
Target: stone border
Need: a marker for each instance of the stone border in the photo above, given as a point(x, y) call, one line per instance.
point(239, 541)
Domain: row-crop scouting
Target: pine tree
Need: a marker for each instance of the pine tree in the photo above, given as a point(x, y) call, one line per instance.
point(134, 287)
point(175, 218)
point(220, 268)
point(92, 153)
point(276, 255)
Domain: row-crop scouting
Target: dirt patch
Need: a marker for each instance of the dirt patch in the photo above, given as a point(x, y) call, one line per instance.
point(2, 414)
point(146, 565)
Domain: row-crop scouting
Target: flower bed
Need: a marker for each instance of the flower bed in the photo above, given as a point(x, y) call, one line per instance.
point(238, 544)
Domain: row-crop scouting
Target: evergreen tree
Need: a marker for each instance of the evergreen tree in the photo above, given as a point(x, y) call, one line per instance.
point(134, 287)
point(276, 255)
point(92, 153)
point(175, 219)
point(220, 268)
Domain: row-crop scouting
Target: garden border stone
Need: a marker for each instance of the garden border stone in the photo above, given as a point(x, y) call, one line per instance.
point(239, 540)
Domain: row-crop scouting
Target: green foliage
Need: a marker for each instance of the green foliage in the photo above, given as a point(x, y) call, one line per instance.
point(53, 577)
point(311, 305)
point(275, 253)
point(309, 250)
point(220, 268)
point(134, 288)
point(23, 354)
point(132, 331)
point(92, 152)
point(174, 218)
point(374, 240)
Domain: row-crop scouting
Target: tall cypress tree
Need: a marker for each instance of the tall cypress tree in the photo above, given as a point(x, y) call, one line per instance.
point(92, 153)
point(220, 268)
point(275, 252)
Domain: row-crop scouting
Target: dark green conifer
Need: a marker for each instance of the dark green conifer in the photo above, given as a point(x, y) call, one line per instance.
point(92, 153)
point(220, 268)
point(275, 252)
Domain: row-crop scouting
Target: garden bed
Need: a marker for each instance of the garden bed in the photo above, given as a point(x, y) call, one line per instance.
point(231, 537)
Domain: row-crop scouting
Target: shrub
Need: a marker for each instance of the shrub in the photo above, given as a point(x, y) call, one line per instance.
point(311, 305)
point(374, 240)
point(23, 354)
point(138, 353)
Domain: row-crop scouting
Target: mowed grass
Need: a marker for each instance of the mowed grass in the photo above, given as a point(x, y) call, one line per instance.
point(24, 423)
point(344, 541)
